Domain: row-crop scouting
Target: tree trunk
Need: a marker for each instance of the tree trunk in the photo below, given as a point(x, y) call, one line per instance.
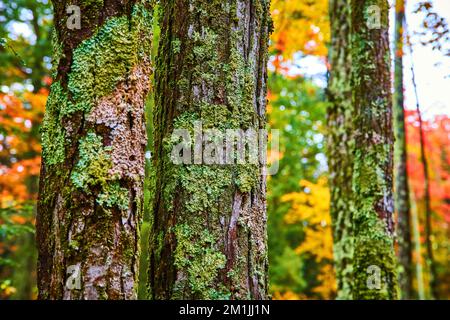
point(401, 178)
point(374, 141)
point(417, 249)
point(93, 137)
point(340, 156)
point(208, 237)
point(363, 218)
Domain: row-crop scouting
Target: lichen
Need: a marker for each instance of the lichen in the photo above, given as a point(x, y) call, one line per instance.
point(57, 52)
point(213, 81)
point(52, 132)
point(176, 46)
point(198, 257)
point(92, 169)
point(114, 195)
point(101, 61)
point(204, 184)
point(248, 176)
point(86, 156)
point(94, 163)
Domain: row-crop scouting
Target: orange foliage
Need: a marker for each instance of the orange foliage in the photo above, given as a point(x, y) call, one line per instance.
point(289, 295)
point(437, 148)
point(311, 206)
point(19, 145)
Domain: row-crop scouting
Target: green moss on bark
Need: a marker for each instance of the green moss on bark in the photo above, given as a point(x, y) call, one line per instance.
point(197, 255)
point(52, 131)
point(91, 190)
point(211, 69)
point(360, 143)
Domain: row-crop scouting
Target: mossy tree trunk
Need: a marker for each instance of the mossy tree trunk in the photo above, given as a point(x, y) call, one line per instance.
point(208, 237)
point(402, 204)
point(340, 145)
point(360, 122)
point(374, 141)
point(93, 138)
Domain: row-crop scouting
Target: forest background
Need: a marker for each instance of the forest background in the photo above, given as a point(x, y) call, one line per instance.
point(299, 226)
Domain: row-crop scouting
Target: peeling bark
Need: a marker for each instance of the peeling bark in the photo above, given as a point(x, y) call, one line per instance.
point(91, 186)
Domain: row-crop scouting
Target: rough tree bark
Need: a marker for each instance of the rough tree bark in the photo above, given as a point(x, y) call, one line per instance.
point(402, 204)
point(363, 218)
point(340, 157)
point(374, 141)
point(208, 237)
point(93, 137)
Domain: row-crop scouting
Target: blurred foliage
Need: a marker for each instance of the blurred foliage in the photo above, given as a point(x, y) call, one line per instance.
point(25, 47)
point(297, 109)
point(17, 252)
point(20, 116)
point(437, 148)
point(311, 207)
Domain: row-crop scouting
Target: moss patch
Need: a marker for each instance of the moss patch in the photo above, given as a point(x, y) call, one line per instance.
point(196, 254)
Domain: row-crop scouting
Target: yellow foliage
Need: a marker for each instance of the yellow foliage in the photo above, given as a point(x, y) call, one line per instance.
point(300, 26)
point(289, 295)
point(327, 287)
point(6, 290)
point(311, 206)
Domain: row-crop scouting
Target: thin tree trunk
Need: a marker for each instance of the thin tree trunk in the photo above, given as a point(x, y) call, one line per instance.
point(340, 155)
point(427, 198)
point(23, 277)
point(417, 250)
point(401, 178)
point(93, 137)
point(363, 220)
point(208, 237)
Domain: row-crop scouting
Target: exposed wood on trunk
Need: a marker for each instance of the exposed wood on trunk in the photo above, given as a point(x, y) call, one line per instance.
point(90, 197)
point(208, 237)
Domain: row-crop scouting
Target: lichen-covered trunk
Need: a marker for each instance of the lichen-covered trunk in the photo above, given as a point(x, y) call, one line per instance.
point(402, 205)
point(340, 157)
point(360, 122)
point(373, 162)
point(93, 139)
point(208, 237)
